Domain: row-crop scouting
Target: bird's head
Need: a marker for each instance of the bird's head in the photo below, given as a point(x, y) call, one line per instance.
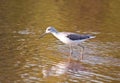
point(49, 29)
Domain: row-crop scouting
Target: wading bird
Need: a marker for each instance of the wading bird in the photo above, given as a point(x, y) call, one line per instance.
point(69, 38)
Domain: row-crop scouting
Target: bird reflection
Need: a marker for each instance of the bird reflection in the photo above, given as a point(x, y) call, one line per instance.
point(64, 67)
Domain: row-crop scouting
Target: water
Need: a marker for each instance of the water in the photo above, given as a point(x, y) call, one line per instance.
point(24, 58)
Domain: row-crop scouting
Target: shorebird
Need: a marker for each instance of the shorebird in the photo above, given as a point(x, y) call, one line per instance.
point(69, 38)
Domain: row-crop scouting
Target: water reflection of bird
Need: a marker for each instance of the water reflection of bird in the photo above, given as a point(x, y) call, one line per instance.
point(65, 67)
point(69, 39)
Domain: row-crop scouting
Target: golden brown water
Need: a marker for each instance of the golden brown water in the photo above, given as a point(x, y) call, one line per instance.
point(24, 58)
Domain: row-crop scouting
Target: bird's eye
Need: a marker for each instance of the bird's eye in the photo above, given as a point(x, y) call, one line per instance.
point(49, 29)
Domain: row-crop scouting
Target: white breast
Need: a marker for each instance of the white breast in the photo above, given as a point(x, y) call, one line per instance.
point(62, 37)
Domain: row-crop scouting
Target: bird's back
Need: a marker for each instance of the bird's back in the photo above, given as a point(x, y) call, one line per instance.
point(70, 38)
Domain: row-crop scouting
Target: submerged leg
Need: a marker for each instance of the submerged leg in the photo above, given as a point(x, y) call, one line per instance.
point(71, 52)
point(81, 52)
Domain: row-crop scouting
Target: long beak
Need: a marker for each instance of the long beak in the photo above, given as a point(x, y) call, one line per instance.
point(42, 35)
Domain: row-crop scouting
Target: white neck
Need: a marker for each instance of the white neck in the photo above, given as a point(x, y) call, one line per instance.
point(55, 33)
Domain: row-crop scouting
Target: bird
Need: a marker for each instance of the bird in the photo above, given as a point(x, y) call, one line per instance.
point(69, 39)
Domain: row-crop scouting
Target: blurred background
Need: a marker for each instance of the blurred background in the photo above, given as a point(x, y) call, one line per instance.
point(24, 57)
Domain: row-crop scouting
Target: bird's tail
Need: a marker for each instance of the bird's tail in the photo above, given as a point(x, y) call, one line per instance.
point(92, 36)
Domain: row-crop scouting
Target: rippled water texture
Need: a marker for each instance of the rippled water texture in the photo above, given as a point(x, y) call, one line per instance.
point(24, 58)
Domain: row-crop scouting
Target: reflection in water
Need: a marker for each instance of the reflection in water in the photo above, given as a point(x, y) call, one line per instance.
point(79, 72)
point(64, 67)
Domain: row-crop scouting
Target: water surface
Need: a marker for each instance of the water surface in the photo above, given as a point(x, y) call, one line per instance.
point(24, 58)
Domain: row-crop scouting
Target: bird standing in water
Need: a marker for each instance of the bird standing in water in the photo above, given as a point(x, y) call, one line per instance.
point(69, 38)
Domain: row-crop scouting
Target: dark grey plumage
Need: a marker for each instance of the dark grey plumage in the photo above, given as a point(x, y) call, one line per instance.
point(78, 36)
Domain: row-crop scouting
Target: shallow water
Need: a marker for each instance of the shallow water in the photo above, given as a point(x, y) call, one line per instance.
point(24, 58)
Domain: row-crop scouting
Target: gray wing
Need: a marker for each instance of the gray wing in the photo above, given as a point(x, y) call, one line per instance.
point(74, 36)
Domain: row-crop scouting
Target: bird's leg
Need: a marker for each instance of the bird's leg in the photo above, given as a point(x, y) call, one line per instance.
point(71, 52)
point(81, 53)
